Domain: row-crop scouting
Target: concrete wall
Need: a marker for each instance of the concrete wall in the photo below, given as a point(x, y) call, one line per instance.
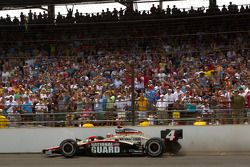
point(227, 138)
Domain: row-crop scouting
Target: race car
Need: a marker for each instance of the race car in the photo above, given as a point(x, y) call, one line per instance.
point(124, 142)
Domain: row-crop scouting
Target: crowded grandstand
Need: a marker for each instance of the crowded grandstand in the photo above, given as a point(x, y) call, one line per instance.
point(123, 67)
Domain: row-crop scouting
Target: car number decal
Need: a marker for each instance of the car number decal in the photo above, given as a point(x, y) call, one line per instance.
point(171, 135)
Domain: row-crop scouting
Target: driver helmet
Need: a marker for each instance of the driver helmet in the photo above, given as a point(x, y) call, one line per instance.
point(109, 135)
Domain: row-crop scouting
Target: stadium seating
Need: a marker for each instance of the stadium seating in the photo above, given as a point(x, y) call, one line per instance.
point(57, 73)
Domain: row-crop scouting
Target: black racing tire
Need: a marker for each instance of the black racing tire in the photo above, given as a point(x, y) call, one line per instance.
point(155, 147)
point(68, 148)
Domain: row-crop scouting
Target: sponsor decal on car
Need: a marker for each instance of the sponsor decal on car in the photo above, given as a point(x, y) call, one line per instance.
point(135, 151)
point(105, 148)
point(130, 139)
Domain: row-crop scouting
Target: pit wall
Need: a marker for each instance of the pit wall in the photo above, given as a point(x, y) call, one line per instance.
point(226, 138)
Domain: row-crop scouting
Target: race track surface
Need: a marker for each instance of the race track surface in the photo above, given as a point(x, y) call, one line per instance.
point(38, 160)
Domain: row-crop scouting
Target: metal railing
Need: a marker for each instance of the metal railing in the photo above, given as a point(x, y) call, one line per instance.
point(112, 116)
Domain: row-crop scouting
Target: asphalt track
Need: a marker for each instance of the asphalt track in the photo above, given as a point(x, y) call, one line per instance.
point(38, 160)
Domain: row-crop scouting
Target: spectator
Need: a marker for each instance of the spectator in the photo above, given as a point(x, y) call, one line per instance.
point(170, 99)
point(27, 110)
point(121, 106)
point(151, 96)
point(177, 94)
point(142, 107)
point(95, 60)
point(22, 17)
point(30, 16)
point(40, 110)
point(238, 104)
point(10, 105)
point(248, 105)
point(3, 120)
point(174, 10)
point(161, 109)
point(98, 107)
point(62, 109)
point(224, 9)
point(153, 9)
point(110, 108)
point(87, 112)
point(248, 99)
point(15, 21)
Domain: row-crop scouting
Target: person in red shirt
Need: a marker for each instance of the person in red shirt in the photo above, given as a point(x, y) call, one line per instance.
point(248, 105)
point(248, 99)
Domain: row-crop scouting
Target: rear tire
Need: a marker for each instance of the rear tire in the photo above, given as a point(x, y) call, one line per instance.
point(155, 147)
point(68, 148)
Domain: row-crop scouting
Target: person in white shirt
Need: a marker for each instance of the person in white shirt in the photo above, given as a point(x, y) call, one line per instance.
point(5, 76)
point(161, 108)
point(169, 98)
point(120, 105)
point(161, 75)
point(10, 105)
point(40, 109)
point(117, 82)
point(177, 94)
point(10, 108)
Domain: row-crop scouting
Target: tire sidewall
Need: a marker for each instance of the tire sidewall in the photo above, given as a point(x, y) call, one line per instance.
point(155, 141)
point(72, 144)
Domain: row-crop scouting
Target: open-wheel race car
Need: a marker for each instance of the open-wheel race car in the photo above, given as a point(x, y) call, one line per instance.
point(124, 142)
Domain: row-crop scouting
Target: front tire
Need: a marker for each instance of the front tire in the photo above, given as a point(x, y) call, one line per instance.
point(155, 147)
point(68, 148)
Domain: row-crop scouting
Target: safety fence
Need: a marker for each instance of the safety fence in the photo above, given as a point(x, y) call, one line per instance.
point(111, 117)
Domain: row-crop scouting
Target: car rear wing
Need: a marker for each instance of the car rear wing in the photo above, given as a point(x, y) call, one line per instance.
point(172, 134)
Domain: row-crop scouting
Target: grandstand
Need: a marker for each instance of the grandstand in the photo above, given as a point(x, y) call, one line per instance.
point(165, 66)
